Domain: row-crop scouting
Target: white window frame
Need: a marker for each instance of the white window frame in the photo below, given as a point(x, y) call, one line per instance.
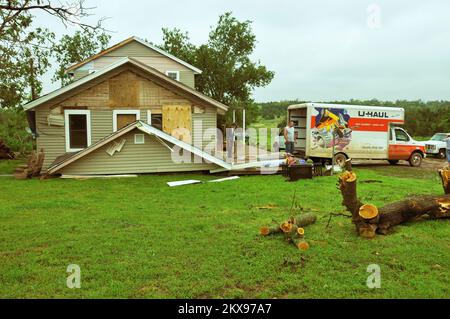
point(136, 141)
point(176, 72)
point(124, 112)
point(67, 129)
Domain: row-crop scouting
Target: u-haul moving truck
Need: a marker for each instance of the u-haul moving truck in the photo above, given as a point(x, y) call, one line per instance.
point(356, 131)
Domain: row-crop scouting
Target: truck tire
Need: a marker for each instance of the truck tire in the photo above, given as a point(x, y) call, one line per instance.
point(393, 162)
point(416, 159)
point(339, 159)
point(441, 153)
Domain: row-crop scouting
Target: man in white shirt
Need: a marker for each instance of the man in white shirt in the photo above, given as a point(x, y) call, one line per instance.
point(289, 132)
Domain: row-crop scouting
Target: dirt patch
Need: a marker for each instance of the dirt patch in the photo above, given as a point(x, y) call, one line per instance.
point(427, 170)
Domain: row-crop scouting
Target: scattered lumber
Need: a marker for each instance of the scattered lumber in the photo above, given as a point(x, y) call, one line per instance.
point(32, 168)
point(370, 220)
point(5, 151)
point(292, 229)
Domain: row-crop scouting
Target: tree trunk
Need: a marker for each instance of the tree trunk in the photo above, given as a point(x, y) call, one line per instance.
point(370, 220)
point(444, 173)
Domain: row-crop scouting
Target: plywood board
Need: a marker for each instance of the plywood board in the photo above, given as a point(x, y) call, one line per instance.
point(124, 90)
point(177, 121)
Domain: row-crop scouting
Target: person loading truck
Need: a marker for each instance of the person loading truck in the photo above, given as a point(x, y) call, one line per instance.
point(289, 137)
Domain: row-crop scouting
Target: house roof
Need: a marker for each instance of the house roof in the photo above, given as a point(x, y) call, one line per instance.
point(146, 128)
point(129, 40)
point(148, 69)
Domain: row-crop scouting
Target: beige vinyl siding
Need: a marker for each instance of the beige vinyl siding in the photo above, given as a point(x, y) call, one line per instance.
point(134, 49)
point(101, 124)
point(202, 122)
point(150, 157)
point(187, 78)
point(50, 138)
point(160, 63)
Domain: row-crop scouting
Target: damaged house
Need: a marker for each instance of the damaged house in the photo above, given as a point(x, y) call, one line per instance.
point(126, 111)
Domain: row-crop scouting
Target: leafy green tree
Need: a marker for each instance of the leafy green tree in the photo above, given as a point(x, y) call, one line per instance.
point(76, 48)
point(25, 51)
point(229, 75)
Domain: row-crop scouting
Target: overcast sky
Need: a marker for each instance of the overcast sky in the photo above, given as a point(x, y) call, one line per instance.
point(319, 50)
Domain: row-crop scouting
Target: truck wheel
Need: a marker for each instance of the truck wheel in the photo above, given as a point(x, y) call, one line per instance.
point(416, 159)
point(442, 154)
point(339, 159)
point(393, 162)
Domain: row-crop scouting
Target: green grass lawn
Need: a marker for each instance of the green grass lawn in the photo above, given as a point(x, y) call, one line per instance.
point(138, 238)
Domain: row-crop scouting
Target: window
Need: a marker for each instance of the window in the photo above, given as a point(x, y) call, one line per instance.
point(78, 129)
point(401, 136)
point(122, 118)
point(139, 139)
point(157, 121)
point(174, 75)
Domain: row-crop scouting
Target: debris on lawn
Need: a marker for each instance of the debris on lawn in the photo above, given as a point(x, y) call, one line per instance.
point(5, 151)
point(370, 220)
point(194, 181)
point(292, 229)
point(185, 182)
point(223, 179)
point(33, 166)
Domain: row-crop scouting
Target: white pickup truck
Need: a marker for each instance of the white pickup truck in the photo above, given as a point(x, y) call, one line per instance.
point(437, 145)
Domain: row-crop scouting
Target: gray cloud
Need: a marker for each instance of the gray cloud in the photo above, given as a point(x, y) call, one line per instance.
point(319, 50)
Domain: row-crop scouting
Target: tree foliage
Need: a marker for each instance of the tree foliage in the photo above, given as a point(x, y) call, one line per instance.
point(25, 51)
point(229, 75)
point(76, 48)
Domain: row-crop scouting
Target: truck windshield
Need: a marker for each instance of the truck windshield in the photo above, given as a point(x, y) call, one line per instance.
point(438, 137)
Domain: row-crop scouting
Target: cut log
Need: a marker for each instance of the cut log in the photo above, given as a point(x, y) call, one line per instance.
point(303, 219)
point(370, 220)
point(286, 227)
point(265, 231)
point(444, 173)
point(369, 213)
point(301, 244)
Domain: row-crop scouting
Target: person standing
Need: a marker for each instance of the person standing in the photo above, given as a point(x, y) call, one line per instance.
point(231, 137)
point(289, 132)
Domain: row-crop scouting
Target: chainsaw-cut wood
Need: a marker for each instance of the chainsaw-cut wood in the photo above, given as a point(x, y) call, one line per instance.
point(286, 227)
point(410, 208)
point(265, 231)
point(369, 213)
point(303, 219)
point(444, 173)
point(370, 220)
point(301, 244)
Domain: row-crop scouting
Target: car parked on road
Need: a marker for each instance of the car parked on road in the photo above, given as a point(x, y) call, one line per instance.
point(437, 144)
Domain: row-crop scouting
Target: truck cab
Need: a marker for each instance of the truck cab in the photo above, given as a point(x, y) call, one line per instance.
point(437, 145)
point(403, 147)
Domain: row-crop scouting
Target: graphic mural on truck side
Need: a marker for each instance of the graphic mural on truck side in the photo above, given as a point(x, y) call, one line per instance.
point(327, 121)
